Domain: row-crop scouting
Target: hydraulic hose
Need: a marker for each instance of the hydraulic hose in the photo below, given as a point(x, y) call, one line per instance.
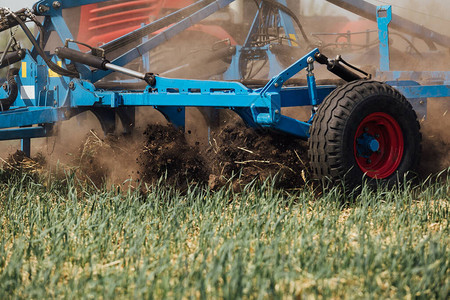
point(54, 67)
point(289, 12)
point(12, 58)
point(335, 67)
point(6, 103)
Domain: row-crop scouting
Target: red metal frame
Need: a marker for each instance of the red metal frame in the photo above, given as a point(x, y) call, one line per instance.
point(100, 24)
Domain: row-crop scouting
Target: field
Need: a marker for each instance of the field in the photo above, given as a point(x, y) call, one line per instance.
point(65, 239)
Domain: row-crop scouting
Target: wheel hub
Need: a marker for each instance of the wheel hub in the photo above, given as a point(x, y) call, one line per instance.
point(366, 145)
point(378, 145)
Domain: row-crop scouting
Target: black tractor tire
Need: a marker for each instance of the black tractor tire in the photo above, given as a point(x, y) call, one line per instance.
point(364, 130)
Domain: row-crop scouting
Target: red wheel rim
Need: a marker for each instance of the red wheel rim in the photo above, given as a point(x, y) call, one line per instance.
point(386, 131)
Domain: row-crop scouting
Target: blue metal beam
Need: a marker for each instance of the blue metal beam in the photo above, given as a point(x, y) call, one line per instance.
point(428, 76)
point(367, 10)
point(384, 17)
point(23, 133)
point(298, 96)
point(292, 126)
point(30, 116)
point(425, 91)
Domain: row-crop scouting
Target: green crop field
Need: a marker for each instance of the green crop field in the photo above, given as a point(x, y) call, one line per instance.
point(65, 239)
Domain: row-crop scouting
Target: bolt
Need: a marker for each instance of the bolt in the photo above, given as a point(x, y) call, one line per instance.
point(5, 86)
point(179, 109)
point(71, 85)
point(67, 114)
point(56, 5)
point(277, 111)
point(369, 161)
point(310, 60)
point(276, 84)
point(43, 8)
point(45, 88)
point(421, 102)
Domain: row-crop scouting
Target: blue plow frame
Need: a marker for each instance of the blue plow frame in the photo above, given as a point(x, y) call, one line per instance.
point(46, 98)
point(60, 98)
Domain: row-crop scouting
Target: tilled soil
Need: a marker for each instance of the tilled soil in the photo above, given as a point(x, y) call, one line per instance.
point(248, 154)
point(236, 155)
point(166, 154)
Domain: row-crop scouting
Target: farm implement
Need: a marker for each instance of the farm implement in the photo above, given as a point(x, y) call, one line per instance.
point(363, 127)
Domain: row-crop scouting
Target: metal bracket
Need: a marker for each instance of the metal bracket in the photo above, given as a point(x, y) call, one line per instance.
point(384, 17)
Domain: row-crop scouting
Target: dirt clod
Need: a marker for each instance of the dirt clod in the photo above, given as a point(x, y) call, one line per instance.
point(236, 155)
point(247, 154)
point(167, 154)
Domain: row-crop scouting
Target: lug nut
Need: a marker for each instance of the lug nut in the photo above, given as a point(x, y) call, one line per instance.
point(369, 161)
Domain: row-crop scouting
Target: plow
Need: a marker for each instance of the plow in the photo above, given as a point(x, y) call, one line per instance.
point(358, 128)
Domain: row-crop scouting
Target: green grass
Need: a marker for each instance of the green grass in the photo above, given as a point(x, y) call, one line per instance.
point(62, 239)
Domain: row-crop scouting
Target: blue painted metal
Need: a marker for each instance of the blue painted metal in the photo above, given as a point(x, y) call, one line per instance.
point(25, 146)
point(23, 133)
point(146, 56)
point(436, 77)
point(292, 126)
point(30, 116)
point(299, 96)
point(366, 145)
point(169, 96)
point(288, 26)
point(234, 72)
point(384, 17)
point(422, 91)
